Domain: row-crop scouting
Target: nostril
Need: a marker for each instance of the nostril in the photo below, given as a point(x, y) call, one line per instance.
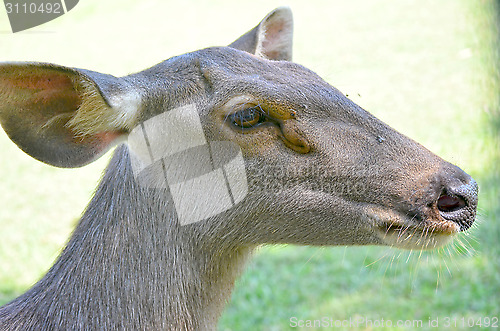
point(447, 203)
point(458, 200)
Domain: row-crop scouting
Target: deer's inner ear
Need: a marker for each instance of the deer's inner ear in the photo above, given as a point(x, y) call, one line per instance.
point(61, 116)
point(272, 38)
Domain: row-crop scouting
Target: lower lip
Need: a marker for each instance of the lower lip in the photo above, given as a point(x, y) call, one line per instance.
point(443, 228)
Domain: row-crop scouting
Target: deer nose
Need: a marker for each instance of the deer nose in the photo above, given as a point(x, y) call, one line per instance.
point(458, 199)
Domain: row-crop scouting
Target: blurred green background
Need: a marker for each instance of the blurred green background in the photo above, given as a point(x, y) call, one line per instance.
point(427, 68)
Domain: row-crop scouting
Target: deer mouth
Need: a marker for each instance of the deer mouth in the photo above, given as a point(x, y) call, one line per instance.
point(428, 235)
point(441, 228)
point(425, 226)
point(406, 232)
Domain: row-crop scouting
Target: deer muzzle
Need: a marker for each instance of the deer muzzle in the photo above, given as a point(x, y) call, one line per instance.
point(458, 201)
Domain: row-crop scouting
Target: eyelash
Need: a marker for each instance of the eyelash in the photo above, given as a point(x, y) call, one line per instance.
point(246, 118)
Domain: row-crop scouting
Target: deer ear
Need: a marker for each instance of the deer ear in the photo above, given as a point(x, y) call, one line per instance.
point(272, 38)
point(62, 116)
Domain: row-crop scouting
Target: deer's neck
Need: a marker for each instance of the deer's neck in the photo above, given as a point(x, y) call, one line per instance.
point(129, 266)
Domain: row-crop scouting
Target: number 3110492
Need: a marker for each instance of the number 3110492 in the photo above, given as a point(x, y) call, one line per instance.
point(34, 8)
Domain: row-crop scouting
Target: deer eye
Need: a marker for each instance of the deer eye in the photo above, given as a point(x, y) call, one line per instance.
point(248, 117)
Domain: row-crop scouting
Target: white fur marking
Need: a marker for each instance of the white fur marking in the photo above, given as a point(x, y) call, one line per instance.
point(126, 107)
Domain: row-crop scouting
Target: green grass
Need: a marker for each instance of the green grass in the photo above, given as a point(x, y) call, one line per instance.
point(428, 68)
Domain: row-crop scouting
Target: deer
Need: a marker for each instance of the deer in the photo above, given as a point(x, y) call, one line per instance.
point(217, 152)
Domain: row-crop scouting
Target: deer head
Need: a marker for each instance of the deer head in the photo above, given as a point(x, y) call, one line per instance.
point(221, 150)
point(320, 170)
